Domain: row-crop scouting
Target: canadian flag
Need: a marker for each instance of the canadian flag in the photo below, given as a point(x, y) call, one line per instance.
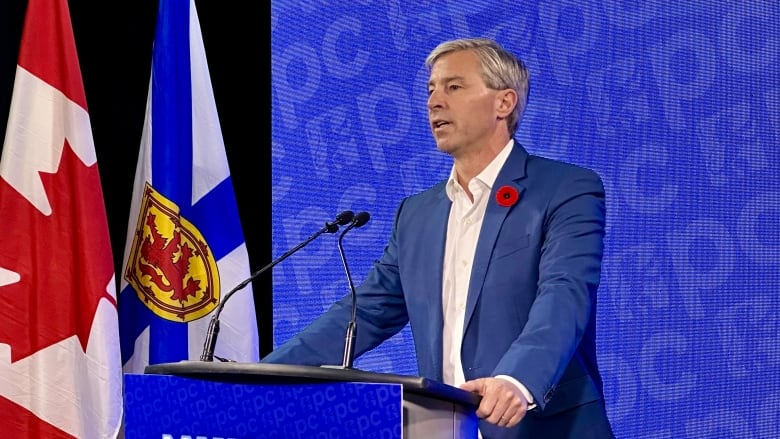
point(60, 371)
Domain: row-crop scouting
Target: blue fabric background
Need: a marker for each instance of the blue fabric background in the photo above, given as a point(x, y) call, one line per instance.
point(675, 104)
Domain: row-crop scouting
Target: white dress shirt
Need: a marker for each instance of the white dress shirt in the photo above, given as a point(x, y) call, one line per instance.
point(463, 227)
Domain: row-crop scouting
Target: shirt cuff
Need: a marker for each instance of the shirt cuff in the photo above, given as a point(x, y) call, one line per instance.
point(522, 388)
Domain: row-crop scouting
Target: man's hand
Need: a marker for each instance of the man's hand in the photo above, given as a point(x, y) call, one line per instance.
point(502, 402)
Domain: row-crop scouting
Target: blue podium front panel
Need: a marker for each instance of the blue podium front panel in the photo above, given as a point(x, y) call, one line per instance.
point(165, 406)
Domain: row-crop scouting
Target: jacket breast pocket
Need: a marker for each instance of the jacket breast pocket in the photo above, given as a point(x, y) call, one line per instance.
point(508, 246)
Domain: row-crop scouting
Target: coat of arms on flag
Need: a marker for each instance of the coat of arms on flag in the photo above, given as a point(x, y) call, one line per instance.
point(170, 265)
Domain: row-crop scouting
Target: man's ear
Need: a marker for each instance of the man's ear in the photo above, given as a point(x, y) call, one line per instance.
point(506, 101)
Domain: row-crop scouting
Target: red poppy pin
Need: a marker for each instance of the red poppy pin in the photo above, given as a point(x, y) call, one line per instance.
point(507, 196)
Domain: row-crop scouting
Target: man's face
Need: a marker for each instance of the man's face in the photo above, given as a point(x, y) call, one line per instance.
point(461, 108)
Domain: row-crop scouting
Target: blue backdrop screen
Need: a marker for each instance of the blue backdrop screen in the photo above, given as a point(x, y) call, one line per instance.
point(675, 104)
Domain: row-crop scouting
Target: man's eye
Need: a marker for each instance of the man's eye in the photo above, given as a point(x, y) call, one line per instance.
point(454, 87)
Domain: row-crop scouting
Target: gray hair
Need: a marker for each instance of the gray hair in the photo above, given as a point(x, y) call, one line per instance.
point(500, 69)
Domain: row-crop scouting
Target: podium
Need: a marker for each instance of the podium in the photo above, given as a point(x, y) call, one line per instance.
point(256, 400)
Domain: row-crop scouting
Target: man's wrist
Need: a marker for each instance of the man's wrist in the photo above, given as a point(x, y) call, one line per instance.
point(524, 390)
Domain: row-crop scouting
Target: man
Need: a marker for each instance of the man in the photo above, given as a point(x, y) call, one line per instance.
point(496, 269)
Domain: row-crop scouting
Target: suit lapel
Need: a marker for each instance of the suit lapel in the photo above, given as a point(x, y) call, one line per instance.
point(510, 175)
point(435, 235)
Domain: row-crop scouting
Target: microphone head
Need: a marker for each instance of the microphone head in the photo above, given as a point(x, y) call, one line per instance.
point(360, 219)
point(344, 217)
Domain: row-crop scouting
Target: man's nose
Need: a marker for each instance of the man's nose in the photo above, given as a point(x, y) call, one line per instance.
point(435, 100)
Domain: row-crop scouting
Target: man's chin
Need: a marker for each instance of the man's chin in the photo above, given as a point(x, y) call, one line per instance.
point(445, 147)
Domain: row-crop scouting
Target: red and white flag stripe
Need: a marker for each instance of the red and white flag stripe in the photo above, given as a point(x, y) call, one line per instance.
point(60, 371)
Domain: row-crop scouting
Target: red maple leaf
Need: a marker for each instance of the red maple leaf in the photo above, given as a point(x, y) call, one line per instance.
point(64, 259)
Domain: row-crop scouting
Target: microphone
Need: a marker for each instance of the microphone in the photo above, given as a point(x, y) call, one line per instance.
point(343, 218)
point(349, 342)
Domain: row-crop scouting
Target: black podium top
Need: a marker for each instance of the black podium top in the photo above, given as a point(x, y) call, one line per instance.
point(284, 373)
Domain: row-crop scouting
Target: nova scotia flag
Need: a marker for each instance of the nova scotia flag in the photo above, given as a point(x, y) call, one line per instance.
point(185, 247)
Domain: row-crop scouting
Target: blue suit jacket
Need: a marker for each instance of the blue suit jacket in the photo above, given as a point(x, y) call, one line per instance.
point(530, 311)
